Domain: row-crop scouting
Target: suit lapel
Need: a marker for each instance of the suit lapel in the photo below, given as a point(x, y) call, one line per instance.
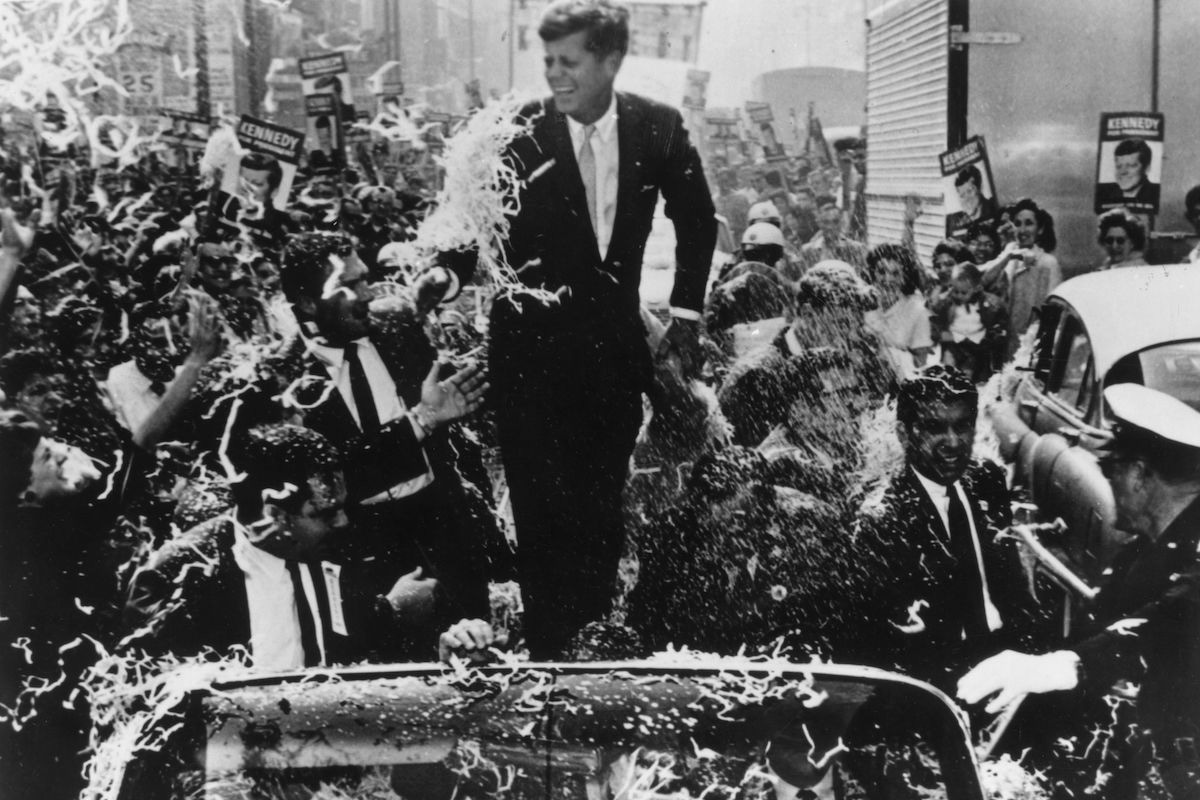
point(566, 170)
point(925, 503)
point(329, 410)
point(629, 159)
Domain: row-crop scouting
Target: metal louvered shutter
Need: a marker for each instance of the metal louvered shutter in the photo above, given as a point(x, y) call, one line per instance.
point(907, 108)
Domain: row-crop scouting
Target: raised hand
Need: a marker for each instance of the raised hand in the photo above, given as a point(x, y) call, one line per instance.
point(452, 398)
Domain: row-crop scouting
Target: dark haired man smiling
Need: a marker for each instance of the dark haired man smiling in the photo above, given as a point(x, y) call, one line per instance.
point(569, 374)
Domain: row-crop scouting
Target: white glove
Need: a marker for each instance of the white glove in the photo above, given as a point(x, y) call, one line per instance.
point(1011, 675)
point(467, 638)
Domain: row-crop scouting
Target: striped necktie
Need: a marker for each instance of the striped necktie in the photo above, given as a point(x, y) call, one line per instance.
point(315, 623)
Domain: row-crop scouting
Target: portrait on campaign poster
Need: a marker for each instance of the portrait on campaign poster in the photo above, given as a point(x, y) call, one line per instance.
point(968, 189)
point(328, 107)
point(262, 174)
point(1129, 162)
point(255, 183)
point(184, 129)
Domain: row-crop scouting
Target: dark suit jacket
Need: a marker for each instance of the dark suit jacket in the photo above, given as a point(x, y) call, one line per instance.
point(451, 515)
point(392, 455)
point(192, 595)
point(907, 532)
point(1109, 195)
point(1158, 582)
point(553, 227)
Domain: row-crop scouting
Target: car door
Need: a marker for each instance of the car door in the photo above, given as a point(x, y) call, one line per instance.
point(1070, 383)
point(1066, 478)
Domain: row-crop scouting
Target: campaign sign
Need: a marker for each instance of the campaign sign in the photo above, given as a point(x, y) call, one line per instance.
point(184, 128)
point(968, 190)
point(697, 86)
point(266, 171)
point(759, 112)
point(328, 105)
point(1129, 161)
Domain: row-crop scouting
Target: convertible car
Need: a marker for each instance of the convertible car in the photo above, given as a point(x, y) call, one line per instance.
point(1132, 325)
point(641, 730)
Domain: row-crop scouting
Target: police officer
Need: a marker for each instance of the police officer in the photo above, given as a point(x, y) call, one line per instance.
point(1145, 625)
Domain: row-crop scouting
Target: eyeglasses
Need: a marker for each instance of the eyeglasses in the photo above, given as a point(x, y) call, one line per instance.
point(1115, 240)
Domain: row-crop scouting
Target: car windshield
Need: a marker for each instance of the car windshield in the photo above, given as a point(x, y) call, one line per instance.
point(618, 735)
point(1170, 368)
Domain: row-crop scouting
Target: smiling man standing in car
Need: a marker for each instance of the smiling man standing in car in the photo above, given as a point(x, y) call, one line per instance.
point(568, 373)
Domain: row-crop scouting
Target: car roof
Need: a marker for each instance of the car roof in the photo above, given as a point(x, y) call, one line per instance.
point(1129, 309)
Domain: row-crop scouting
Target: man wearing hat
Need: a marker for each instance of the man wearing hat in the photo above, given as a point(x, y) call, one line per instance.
point(1145, 623)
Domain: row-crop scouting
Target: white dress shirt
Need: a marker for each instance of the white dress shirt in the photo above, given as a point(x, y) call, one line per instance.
point(388, 403)
point(130, 396)
point(966, 323)
point(604, 147)
point(275, 640)
point(608, 162)
point(940, 495)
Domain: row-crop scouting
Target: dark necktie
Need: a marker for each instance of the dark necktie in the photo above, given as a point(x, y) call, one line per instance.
point(360, 388)
point(309, 616)
point(969, 582)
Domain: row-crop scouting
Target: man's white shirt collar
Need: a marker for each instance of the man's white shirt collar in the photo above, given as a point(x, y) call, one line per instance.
point(606, 126)
point(331, 357)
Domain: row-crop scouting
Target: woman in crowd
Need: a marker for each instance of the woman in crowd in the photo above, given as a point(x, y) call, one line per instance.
point(902, 320)
point(983, 242)
point(1123, 238)
point(1032, 271)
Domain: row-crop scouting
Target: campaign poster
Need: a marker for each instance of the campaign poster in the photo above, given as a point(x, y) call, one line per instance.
point(328, 106)
point(184, 129)
point(696, 89)
point(263, 175)
point(968, 189)
point(1129, 161)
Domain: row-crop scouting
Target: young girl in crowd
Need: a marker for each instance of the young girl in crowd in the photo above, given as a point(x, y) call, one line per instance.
point(901, 321)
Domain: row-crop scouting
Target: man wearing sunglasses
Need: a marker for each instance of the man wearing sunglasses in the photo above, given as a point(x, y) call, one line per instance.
point(1144, 626)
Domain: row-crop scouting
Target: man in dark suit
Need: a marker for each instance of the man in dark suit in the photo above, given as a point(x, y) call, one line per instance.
point(373, 386)
point(262, 577)
point(1145, 623)
point(569, 368)
point(1131, 187)
point(954, 592)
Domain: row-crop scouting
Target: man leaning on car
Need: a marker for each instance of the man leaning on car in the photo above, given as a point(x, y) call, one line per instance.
point(1145, 622)
point(258, 576)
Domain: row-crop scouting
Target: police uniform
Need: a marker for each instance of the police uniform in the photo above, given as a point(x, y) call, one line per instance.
point(1145, 625)
point(1143, 628)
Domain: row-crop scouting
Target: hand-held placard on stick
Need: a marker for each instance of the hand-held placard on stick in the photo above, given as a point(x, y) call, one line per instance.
point(968, 189)
point(329, 107)
point(1129, 161)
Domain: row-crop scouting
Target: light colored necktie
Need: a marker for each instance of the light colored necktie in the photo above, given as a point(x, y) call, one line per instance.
point(587, 171)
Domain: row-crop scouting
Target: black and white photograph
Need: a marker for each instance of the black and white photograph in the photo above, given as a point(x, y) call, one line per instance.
point(599, 400)
point(1130, 161)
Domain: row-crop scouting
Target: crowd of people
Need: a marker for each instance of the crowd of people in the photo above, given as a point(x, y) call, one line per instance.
point(231, 427)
